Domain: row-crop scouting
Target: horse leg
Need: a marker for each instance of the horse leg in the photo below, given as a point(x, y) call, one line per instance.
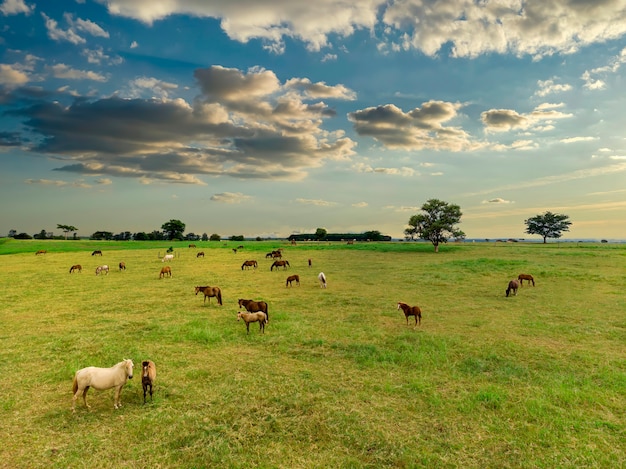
point(248, 327)
point(145, 388)
point(117, 401)
point(85, 397)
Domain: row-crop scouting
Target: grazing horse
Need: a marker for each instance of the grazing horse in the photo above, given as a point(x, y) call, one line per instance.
point(322, 278)
point(167, 257)
point(41, 251)
point(200, 254)
point(122, 265)
point(513, 286)
point(209, 292)
point(101, 379)
point(259, 317)
point(102, 268)
point(165, 271)
point(528, 277)
point(277, 254)
point(411, 311)
point(254, 306)
point(96, 253)
point(148, 376)
point(76, 267)
point(277, 264)
point(292, 278)
point(249, 264)
point(192, 245)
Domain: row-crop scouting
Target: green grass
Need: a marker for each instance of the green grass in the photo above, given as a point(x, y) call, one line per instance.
point(338, 379)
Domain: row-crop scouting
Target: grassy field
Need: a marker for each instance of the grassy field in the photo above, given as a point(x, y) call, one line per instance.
point(338, 379)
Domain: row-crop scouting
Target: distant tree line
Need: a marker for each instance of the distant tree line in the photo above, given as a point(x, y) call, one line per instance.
point(322, 235)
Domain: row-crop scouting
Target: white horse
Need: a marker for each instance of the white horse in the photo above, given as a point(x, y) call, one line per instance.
point(101, 379)
point(102, 268)
point(322, 278)
point(167, 257)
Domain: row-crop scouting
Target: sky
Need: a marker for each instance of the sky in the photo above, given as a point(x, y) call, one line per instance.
point(272, 117)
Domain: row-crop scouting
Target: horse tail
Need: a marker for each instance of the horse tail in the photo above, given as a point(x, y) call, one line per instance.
point(265, 310)
point(219, 297)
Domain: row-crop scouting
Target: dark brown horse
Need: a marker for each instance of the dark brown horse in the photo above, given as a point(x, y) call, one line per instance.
point(527, 277)
point(96, 253)
point(411, 311)
point(292, 278)
point(513, 286)
point(200, 254)
point(211, 292)
point(122, 265)
point(249, 264)
point(165, 271)
point(277, 264)
point(41, 251)
point(254, 306)
point(192, 245)
point(77, 267)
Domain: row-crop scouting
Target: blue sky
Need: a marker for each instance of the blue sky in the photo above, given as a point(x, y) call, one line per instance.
point(273, 117)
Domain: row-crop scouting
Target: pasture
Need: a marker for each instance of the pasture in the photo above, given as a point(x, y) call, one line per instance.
point(338, 379)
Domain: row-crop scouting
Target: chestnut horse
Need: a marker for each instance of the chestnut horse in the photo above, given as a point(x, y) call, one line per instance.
point(41, 251)
point(513, 286)
point(292, 278)
point(209, 292)
point(167, 270)
point(411, 311)
point(249, 264)
point(527, 277)
point(277, 264)
point(101, 379)
point(76, 267)
point(254, 306)
point(148, 375)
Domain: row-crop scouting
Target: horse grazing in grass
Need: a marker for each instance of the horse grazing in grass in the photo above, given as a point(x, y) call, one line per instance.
point(322, 278)
point(254, 306)
point(209, 292)
point(527, 277)
point(277, 264)
point(513, 286)
point(148, 376)
point(249, 264)
point(192, 245)
point(41, 251)
point(96, 253)
point(292, 278)
point(259, 317)
point(200, 254)
point(165, 271)
point(167, 257)
point(101, 379)
point(411, 311)
point(77, 267)
point(102, 268)
point(122, 266)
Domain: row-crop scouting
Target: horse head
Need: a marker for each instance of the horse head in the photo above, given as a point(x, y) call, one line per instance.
point(129, 367)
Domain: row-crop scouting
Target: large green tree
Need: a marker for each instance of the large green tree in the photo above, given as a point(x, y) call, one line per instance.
point(67, 229)
point(320, 234)
point(173, 229)
point(436, 223)
point(548, 225)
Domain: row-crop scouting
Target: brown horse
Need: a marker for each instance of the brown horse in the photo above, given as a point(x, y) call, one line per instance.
point(96, 253)
point(259, 317)
point(513, 286)
point(148, 376)
point(122, 265)
point(192, 245)
point(167, 270)
point(41, 251)
point(411, 311)
point(277, 264)
point(209, 292)
point(527, 277)
point(254, 306)
point(200, 254)
point(249, 264)
point(76, 267)
point(292, 278)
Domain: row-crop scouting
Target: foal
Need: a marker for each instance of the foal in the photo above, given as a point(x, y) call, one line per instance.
point(259, 317)
point(148, 376)
point(411, 311)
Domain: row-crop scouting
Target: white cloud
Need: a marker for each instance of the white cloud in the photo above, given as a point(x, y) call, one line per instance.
point(230, 197)
point(578, 139)
point(15, 7)
point(550, 87)
point(11, 76)
point(318, 202)
point(64, 71)
point(504, 120)
point(497, 201)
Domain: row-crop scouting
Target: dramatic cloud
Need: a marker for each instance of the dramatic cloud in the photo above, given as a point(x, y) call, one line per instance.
point(244, 125)
point(419, 129)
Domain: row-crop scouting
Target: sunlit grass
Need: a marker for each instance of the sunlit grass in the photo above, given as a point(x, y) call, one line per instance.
point(338, 379)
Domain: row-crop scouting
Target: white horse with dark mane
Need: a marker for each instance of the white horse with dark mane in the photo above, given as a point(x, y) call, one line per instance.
point(322, 278)
point(101, 379)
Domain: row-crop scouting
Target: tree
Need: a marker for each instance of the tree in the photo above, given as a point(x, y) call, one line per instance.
point(320, 234)
point(215, 237)
point(548, 225)
point(66, 229)
point(173, 229)
point(436, 223)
